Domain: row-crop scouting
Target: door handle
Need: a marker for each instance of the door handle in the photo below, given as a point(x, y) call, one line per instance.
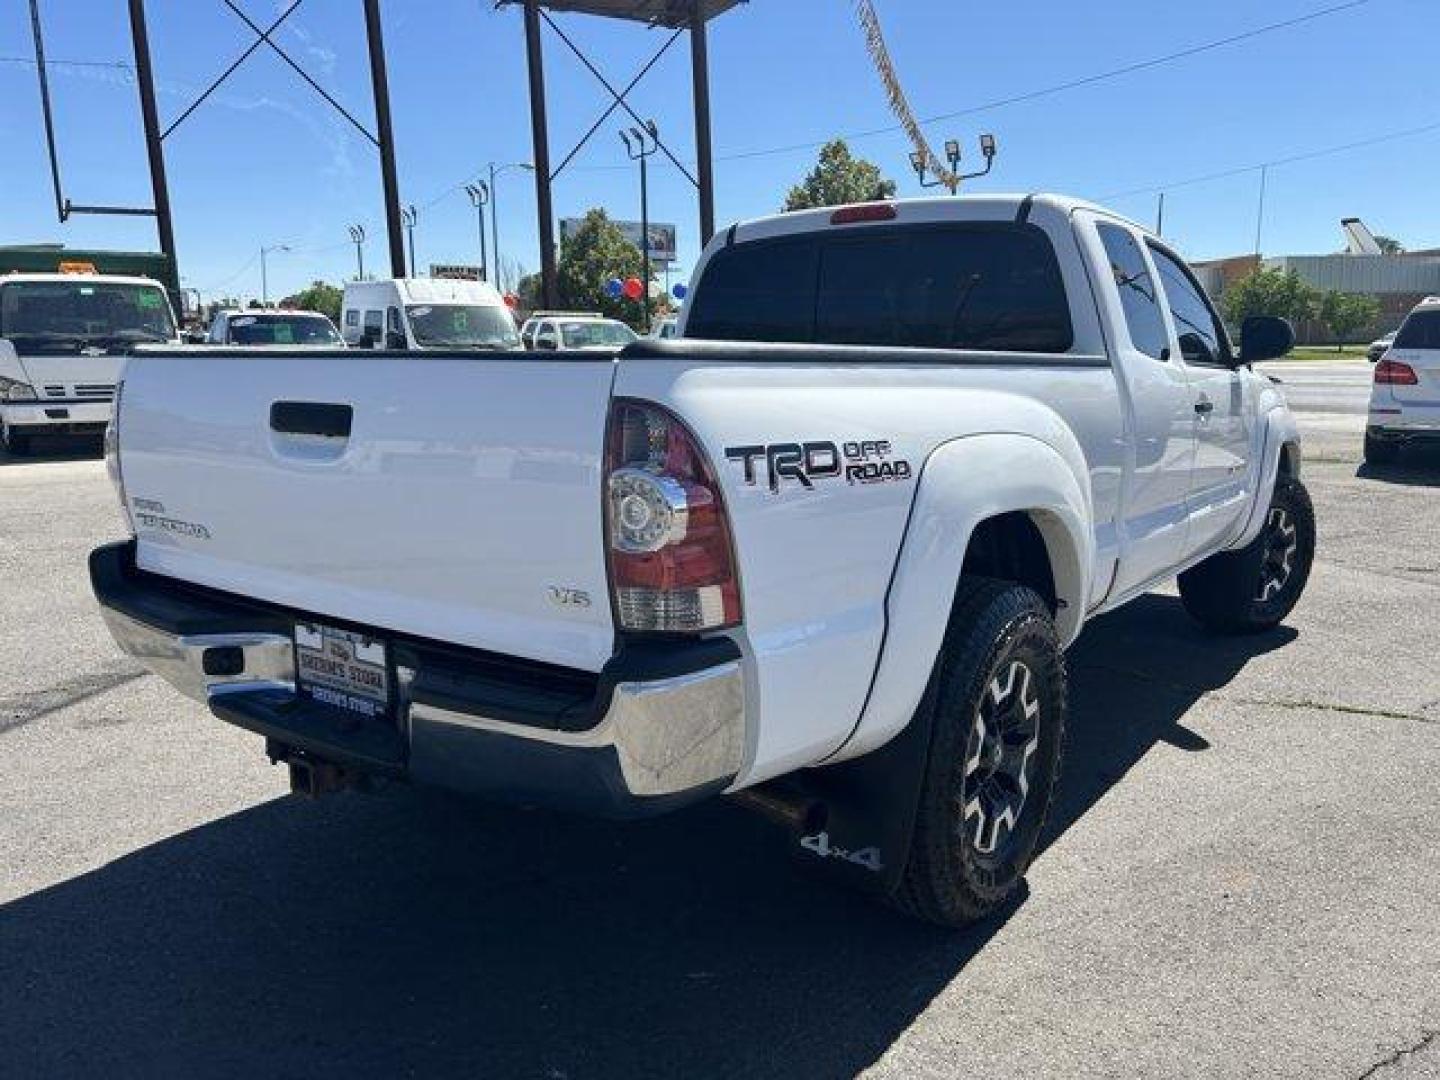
point(1204, 406)
point(311, 418)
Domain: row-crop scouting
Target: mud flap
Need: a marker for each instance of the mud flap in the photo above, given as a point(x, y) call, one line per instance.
point(862, 834)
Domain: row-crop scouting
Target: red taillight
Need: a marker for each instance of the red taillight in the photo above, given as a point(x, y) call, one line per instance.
point(672, 564)
point(1393, 371)
point(875, 211)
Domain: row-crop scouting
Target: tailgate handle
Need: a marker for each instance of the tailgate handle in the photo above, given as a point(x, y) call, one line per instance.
point(311, 418)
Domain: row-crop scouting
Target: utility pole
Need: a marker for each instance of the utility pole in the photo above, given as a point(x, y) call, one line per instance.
point(409, 217)
point(479, 193)
point(384, 136)
point(264, 276)
point(646, 142)
point(160, 188)
point(357, 237)
point(700, 83)
point(1260, 209)
point(1160, 215)
point(496, 170)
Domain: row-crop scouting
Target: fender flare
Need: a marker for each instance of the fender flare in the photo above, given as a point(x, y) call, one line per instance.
point(1281, 435)
point(964, 482)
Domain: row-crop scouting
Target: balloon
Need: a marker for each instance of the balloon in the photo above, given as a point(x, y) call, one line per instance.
point(614, 287)
point(633, 289)
point(679, 291)
point(511, 299)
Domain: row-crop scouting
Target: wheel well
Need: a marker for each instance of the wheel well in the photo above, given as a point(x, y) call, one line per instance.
point(1011, 548)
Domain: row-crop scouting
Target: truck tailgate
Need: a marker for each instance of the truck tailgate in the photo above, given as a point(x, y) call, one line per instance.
point(464, 504)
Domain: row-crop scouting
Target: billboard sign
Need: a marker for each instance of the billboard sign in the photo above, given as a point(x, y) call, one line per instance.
point(662, 236)
point(455, 271)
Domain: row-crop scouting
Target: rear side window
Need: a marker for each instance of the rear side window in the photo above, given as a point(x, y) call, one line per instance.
point(1421, 331)
point(975, 286)
point(1137, 290)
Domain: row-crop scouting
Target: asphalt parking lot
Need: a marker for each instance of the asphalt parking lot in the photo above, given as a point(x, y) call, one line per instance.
point(1243, 877)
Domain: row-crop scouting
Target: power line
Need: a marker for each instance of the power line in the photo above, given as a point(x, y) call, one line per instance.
point(30, 61)
point(1072, 84)
point(1241, 170)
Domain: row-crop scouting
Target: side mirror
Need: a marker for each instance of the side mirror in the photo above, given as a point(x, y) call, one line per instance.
point(396, 340)
point(1265, 337)
point(369, 338)
point(548, 343)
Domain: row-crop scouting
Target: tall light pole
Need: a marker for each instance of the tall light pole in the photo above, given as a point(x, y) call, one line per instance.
point(479, 193)
point(357, 237)
point(496, 170)
point(641, 144)
point(264, 275)
point(409, 217)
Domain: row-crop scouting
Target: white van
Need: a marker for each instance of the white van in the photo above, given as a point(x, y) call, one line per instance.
point(426, 313)
point(63, 342)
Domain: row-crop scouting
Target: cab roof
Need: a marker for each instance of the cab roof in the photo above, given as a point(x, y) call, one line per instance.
point(110, 279)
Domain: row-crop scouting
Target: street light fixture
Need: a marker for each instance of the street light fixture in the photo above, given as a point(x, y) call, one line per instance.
point(264, 275)
point(408, 216)
point(640, 145)
point(479, 193)
point(919, 163)
point(496, 170)
point(357, 237)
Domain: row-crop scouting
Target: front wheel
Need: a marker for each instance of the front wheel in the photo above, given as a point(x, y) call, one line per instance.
point(1253, 589)
point(998, 724)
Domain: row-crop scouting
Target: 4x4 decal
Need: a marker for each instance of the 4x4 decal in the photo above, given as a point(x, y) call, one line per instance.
point(869, 461)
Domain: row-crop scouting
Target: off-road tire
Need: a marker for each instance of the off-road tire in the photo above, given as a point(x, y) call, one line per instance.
point(994, 625)
point(1381, 451)
point(1245, 591)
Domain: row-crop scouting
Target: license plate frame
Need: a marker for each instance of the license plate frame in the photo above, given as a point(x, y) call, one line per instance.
point(344, 669)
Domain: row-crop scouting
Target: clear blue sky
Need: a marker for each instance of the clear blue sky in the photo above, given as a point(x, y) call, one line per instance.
point(266, 161)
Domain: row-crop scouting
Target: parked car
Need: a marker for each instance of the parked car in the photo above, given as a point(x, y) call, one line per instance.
point(426, 313)
point(833, 578)
point(63, 342)
point(1405, 396)
point(527, 330)
point(1380, 346)
point(270, 326)
point(585, 333)
point(665, 328)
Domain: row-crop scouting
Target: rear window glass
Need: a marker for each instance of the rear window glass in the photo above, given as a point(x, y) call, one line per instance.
point(974, 286)
point(1421, 331)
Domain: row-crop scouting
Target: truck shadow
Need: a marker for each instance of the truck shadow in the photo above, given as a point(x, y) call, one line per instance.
point(413, 934)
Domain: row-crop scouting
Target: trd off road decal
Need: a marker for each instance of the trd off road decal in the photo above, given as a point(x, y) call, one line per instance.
point(870, 461)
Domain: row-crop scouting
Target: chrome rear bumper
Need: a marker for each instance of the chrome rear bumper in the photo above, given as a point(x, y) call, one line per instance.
point(663, 738)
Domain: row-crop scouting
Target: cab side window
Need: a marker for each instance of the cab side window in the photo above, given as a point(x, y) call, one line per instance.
point(1200, 333)
point(374, 328)
point(1137, 291)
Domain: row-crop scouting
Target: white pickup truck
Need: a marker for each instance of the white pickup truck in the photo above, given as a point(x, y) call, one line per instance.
point(822, 552)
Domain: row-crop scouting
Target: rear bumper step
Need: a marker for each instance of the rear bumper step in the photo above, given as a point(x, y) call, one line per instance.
point(661, 726)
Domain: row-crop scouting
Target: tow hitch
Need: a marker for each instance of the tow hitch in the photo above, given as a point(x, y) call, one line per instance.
point(311, 777)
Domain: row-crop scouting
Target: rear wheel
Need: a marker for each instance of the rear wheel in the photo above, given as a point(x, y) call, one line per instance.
point(1253, 589)
point(998, 727)
point(1380, 451)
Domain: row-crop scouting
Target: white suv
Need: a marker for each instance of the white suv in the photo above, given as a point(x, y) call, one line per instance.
point(1405, 400)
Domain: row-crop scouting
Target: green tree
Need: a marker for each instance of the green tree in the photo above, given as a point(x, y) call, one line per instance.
point(1345, 313)
point(839, 177)
point(1271, 292)
point(322, 297)
point(1389, 245)
point(591, 256)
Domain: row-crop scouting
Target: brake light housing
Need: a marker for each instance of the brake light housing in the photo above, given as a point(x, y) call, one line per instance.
point(1395, 373)
point(874, 211)
point(671, 555)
